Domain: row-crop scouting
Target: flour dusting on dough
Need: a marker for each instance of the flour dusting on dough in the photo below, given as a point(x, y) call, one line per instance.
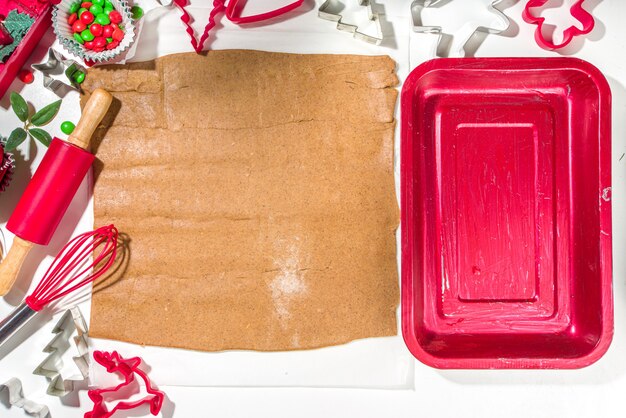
point(288, 284)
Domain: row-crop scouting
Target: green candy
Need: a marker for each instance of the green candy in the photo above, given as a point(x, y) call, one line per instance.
point(74, 7)
point(81, 11)
point(108, 10)
point(78, 38)
point(109, 40)
point(79, 77)
point(102, 19)
point(107, 4)
point(96, 10)
point(87, 35)
point(67, 127)
point(98, 2)
point(137, 12)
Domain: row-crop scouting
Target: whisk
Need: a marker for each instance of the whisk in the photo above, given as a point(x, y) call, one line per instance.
point(69, 271)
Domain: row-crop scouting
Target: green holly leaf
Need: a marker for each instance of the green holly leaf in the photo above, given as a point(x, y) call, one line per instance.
point(46, 114)
point(19, 106)
point(41, 136)
point(15, 139)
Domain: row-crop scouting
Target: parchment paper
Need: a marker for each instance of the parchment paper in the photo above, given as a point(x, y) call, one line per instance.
point(257, 190)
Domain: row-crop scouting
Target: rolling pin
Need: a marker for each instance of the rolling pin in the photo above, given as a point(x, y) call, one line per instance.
point(52, 188)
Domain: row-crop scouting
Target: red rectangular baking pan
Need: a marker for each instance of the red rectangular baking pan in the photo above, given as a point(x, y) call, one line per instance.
point(506, 213)
point(41, 11)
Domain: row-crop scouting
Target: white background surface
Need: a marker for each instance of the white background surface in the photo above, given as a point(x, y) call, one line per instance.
point(596, 391)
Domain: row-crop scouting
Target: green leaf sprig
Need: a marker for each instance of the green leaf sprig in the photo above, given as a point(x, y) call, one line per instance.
point(32, 123)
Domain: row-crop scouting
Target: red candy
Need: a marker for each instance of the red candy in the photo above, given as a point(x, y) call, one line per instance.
point(89, 45)
point(113, 45)
point(73, 18)
point(107, 31)
point(26, 76)
point(86, 4)
point(117, 35)
point(96, 29)
point(115, 17)
point(87, 17)
point(78, 26)
point(99, 42)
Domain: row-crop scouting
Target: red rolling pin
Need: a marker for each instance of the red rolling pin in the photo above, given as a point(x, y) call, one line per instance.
point(52, 189)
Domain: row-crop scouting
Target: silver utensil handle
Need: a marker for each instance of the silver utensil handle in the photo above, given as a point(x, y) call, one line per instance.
point(16, 320)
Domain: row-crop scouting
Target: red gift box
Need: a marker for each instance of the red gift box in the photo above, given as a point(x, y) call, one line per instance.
point(41, 11)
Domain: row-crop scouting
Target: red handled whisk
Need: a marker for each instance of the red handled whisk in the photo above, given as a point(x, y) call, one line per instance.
point(70, 270)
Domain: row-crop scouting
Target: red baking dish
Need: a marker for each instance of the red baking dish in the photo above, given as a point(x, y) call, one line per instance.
point(506, 213)
point(41, 10)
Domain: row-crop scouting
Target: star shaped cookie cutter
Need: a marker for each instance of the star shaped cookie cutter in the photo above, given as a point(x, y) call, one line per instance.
point(55, 69)
point(419, 5)
point(577, 11)
point(327, 12)
point(72, 320)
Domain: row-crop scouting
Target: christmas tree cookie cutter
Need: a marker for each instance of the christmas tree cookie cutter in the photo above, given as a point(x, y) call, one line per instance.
point(17, 399)
point(503, 23)
point(328, 11)
point(71, 321)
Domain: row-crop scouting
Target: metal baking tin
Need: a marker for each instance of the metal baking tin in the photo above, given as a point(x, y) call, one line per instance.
point(506, 213)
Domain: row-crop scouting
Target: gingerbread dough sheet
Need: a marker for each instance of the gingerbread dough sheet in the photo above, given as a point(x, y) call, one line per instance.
point(257, 190)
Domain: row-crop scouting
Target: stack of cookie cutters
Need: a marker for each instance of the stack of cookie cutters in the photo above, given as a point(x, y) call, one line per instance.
point(71, 322)
point(502, 24)
point(329, 10)
point(577, 11)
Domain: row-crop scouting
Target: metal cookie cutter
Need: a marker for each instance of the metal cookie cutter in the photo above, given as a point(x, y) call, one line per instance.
point(72, 320)
point(55, 69)
point(16, 398)
point(327, 11)
point(419, 5)
point(576, 11)
point(128, 368)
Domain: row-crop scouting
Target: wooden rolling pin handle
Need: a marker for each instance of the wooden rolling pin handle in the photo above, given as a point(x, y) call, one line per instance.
point(96, 108)
point(12, 264)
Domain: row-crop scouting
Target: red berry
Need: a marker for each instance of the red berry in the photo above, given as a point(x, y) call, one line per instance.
point(115, 17)
point(73, 18)
point(78, 26)
point(86, 4)
point(99, 42)
point(87, 18)
point(95, 29)
point(26, 76)
point(89, 45)
point(117, 35)
point(113, 45)
point(107, 31)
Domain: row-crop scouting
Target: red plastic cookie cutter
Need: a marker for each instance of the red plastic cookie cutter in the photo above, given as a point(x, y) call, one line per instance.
point(233, 12)
point(576, 11)
point(128, 368)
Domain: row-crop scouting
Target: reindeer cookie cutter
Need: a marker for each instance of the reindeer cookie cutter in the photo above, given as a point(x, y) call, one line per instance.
point(128, 368)
point(502, 24)
point(577, 11)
